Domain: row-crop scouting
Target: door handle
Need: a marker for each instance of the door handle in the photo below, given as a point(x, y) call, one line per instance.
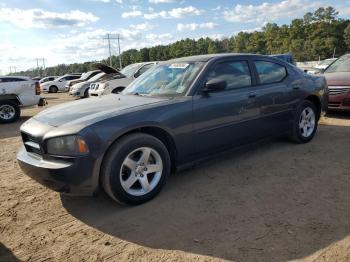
point(296, 87)
point(251, 95)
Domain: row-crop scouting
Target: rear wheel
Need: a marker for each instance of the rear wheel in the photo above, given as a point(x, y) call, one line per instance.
point(53, 89)
point(305, 123)
point(135, 169)
point(9, 112)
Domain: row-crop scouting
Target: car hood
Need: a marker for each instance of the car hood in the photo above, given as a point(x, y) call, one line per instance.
point(338, 79)
point(92, 110)
point(80, 85)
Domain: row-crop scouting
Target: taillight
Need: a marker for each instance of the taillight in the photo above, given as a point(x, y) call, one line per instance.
point(37, 88)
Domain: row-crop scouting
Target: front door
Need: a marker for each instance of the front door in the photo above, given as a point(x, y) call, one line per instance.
point(222, 119)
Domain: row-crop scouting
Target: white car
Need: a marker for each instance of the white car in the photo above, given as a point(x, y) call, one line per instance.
point(129, 74)
point(47, 79)
point(84, 77)
point(58, 84)
point(17, 92)
point(81, 89)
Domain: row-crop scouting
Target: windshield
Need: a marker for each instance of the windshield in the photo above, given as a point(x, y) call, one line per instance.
point(169, 79)
point(96, 77)
point(341, 65)
point(130, 70)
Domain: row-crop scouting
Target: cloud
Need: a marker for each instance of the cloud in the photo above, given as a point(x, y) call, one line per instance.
point(143, 26)
point(133, 13)
point(161, 1)
point(38, 18)
point(195, 26)
point(268, 11)
point(175, 13)
point(158, 39)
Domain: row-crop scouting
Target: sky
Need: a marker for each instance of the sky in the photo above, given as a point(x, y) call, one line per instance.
point(68, 31)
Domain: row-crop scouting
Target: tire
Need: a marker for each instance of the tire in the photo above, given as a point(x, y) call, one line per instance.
point(304, 131)
point(53, 89)
point(9, 111)
point(116, 174)
point(86, 93)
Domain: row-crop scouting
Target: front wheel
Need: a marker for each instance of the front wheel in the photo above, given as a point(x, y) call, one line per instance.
point(305, 123)
point(135, 169)
point(9, 112)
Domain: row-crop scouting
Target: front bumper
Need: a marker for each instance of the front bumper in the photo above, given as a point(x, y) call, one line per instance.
point(97, 92)
point(70, 176)
point(75, 93)
point(339, 102)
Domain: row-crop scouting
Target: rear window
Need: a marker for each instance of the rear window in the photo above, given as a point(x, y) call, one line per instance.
point(270, 72)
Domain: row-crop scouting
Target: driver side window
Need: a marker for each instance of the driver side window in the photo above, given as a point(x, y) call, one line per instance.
point(235, 74)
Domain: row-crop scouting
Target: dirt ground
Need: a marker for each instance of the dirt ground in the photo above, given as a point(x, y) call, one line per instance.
point(276, 201)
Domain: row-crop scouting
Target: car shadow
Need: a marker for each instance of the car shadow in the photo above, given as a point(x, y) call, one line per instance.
point(12, 129)
point(6, 254)
point(271, 202)
point(338, 115)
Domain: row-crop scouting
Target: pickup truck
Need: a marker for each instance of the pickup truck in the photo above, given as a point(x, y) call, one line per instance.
point(17, 92)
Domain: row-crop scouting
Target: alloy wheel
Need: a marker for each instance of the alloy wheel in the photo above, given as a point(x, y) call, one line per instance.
point(141, 171)
point(307, 122)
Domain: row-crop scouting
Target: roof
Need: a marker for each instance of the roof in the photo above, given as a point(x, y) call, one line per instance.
point(206, 58)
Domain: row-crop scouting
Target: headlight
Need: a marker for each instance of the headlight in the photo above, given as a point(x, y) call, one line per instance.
point(66, 146)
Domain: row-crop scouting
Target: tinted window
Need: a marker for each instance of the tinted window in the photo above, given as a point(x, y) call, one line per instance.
point(270, 72)
point(144, 69)
point(236, 74)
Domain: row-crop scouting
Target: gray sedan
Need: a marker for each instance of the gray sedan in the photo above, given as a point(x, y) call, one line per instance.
point(176, 114)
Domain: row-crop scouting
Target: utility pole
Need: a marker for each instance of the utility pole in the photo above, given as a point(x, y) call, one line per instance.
point(120, 57)
point(110, 37)
point(334, 51)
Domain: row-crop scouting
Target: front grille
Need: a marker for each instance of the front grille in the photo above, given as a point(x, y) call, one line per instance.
point(94, 86)
point(334, 104)
point(31, 144)
point(333, 91)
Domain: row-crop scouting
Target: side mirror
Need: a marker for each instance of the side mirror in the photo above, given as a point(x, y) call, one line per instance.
point(215, 85)
point(137, 74)
point(305, 70)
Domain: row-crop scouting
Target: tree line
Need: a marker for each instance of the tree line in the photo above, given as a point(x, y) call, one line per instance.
point(318, 35)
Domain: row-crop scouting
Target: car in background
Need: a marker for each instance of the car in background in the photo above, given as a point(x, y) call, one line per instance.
point(17, 92)
point(322, 65)
point(84, 77)
point(47, 79)
point(285, 57)
point(58, 84)
point(82, 89)
point(177, 113)
point(129, 74)
point(338, 79)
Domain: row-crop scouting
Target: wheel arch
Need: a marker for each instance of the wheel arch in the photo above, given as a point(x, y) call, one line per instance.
point(158, 132)
point(317, 102)
point(9, 97)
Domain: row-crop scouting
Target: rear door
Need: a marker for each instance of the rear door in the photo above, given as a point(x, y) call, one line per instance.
point(270, 94)
point(223, 119)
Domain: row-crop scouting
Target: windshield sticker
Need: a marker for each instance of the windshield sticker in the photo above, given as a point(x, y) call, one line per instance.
point(179, 65)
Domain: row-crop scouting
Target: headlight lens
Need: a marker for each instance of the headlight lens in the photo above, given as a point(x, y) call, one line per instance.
point(66, 146)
